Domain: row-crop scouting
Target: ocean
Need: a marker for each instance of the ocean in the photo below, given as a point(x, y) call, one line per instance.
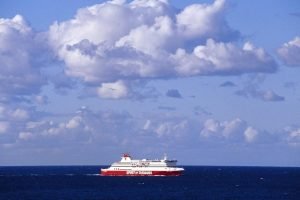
point(198, 182)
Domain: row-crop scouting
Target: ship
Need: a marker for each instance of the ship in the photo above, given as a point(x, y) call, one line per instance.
point(145, 167)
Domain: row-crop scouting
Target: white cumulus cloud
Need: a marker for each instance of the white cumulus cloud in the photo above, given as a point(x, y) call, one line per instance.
point(290, 52)
point(114, 41)
point(74, 122)
point(171, 128)
point(114, 90)
point(250, 134)
point(164, 125)
point(25, 135)
point(292, 136)
point(20, 58)
point(204, 21)
point(14, 113)
point(234, 130)
point(223, 59)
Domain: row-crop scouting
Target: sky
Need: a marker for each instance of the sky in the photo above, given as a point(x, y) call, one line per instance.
point(207, 82)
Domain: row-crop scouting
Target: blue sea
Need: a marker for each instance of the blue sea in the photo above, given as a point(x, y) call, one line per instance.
point(201, 182)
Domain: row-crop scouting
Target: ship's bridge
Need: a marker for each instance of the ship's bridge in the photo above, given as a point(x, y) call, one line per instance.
point(126, 158)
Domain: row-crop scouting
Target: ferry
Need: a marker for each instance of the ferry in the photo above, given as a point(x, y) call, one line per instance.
point(145, 167)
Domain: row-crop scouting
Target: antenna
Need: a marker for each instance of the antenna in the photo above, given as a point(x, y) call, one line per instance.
point(165, 156)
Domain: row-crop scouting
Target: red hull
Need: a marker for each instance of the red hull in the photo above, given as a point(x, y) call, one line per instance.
point(140, 173)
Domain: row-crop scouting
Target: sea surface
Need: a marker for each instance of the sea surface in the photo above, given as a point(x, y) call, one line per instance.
point(216, 183)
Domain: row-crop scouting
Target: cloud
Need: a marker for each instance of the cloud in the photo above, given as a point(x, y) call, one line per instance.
point(135, 90)
point(4, 126)
point(13, 120)
point(252, 89)
point(149, 39)
point(95, 45)
point(114, 90)
point(250, 134)
point(289, 53)
point(234, 130)
point(85, 126)
point(198, 110)
point(205, 21)
point(173, 93)
point(264, 95)
point(41, 99)
point(74, 122)
point(22, 126)
point(269, 95)
point(239, 131)
point(224, 59)
point(14, 114)
point(170, 127)
point(21, 58)
point(107, 130)
point(25, 135)
point(228, 84)
point(292, 136)
point(100, 46)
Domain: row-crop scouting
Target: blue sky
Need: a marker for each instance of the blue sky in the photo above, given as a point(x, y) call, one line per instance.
point(208, 82)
